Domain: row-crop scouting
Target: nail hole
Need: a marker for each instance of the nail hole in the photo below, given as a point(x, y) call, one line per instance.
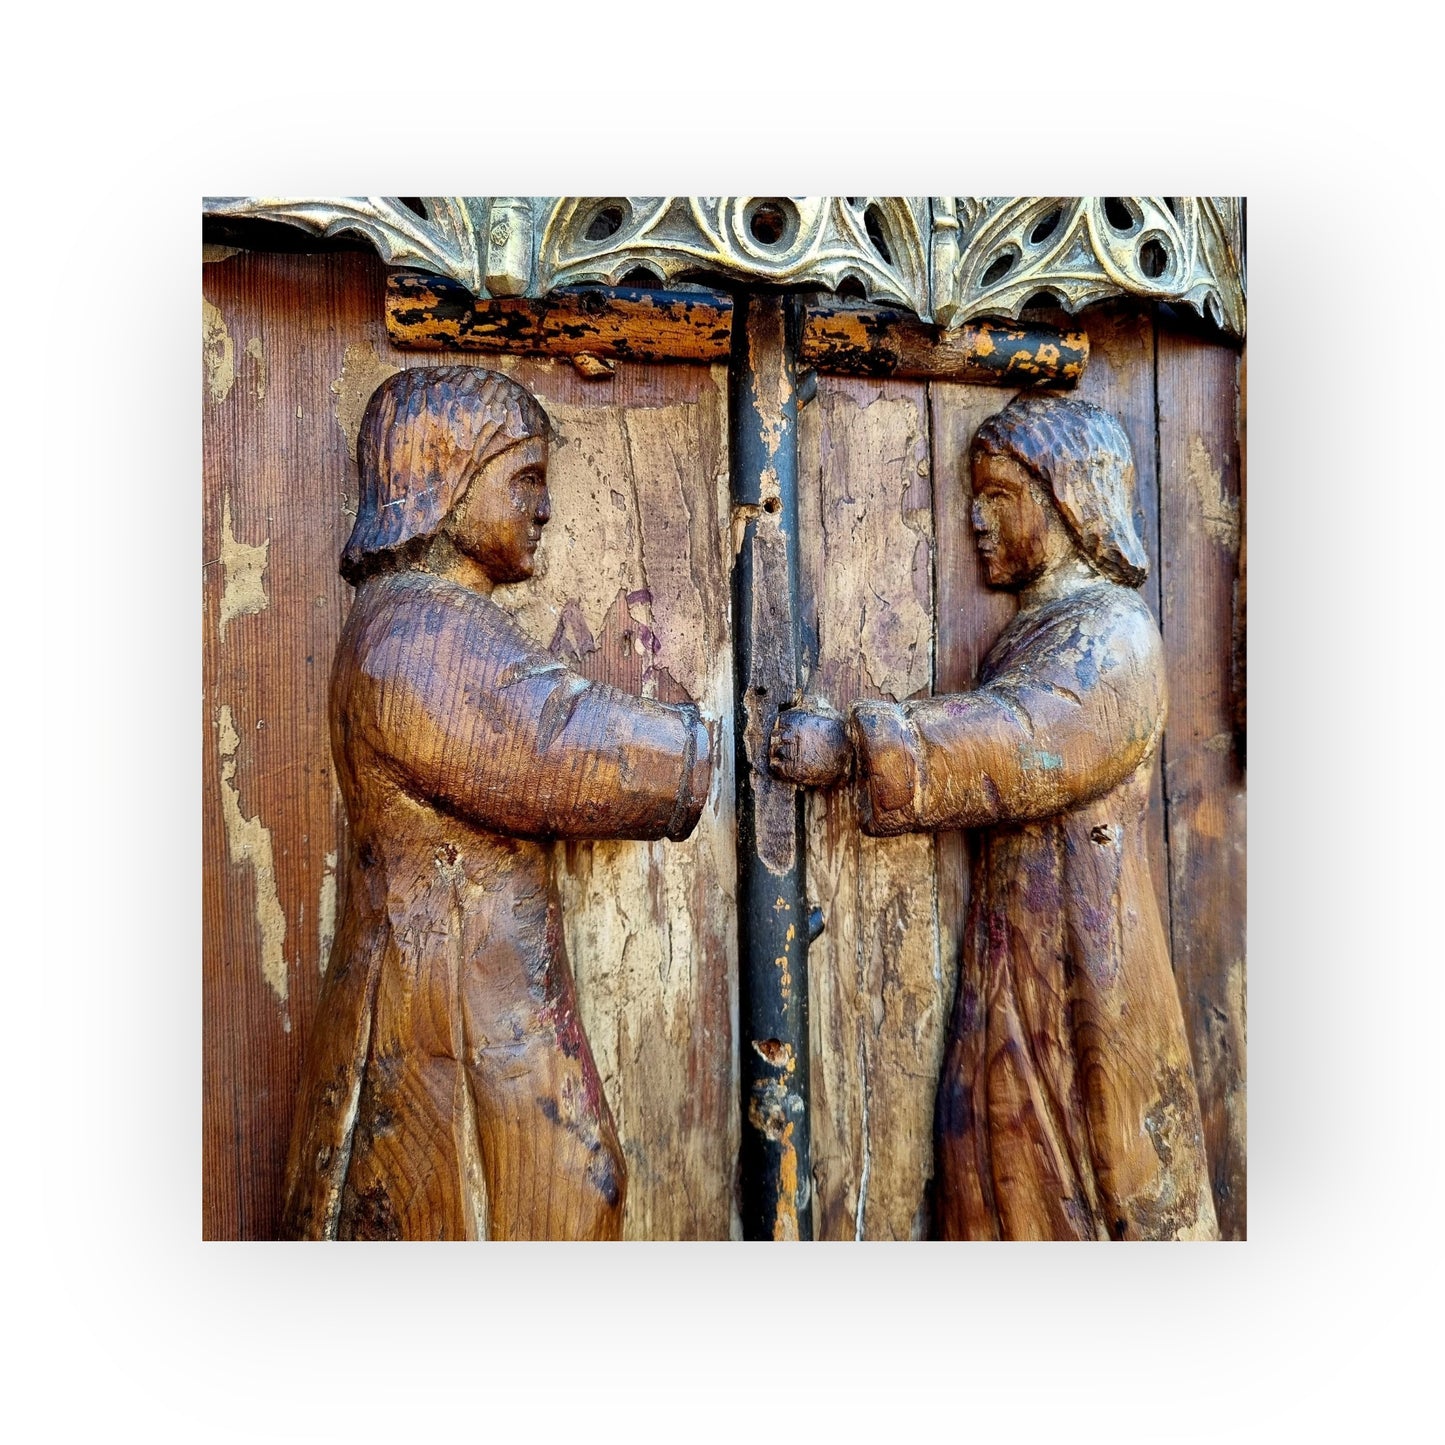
point(773, 504)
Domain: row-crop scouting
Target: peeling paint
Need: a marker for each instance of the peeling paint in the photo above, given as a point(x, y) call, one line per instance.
point(243, 572)
point(770, 1112)
point(211, 253)
point(785, 1223)
point(326, 912)
point(362, 371)
point(648, 925)
point(257, 355)
point(594, 368)
point(218, 352)
point(777, 1052)
point(882, 973)
point(1220, 511)
point(743, 513)
point(249, 841)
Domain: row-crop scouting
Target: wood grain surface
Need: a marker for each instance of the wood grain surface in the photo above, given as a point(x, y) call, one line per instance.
point(1203, 779)
point(633, 588)
point(879, 991)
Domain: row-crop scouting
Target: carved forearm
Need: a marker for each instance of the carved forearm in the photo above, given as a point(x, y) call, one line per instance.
point(617, 766)
point(987, 757)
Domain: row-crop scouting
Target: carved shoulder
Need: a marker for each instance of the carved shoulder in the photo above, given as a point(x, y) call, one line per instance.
point(1104, 638)
point(452, 698)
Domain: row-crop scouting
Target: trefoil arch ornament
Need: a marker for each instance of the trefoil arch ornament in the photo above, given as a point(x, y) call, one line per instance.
point(945, 259)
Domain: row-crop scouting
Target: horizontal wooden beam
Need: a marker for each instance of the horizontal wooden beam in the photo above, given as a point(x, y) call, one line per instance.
point(852, 342)
point(595, 327)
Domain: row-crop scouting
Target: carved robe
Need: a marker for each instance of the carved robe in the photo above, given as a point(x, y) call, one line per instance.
point(1067, 1107)
point(449, 1091)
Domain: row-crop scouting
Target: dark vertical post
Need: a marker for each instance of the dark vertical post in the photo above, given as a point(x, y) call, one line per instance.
point(776, 1163)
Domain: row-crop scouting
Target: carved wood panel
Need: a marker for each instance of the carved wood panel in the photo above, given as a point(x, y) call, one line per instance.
point(630, 577)
point(633, 589)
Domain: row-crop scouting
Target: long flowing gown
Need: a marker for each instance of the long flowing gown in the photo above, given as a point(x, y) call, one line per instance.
point(448, 1089)
point(1067, 1107)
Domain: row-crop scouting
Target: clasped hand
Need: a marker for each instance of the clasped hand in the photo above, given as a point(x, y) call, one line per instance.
point(810, 748)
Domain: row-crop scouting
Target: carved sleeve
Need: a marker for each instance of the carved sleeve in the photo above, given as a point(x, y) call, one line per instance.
point(471, 715)
point(1066, 720)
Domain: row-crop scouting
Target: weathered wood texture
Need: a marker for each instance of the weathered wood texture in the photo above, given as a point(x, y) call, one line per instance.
point(631, 588)
point(277, 488)
point(634, 591)
point(429, 313)
point(879, 988)
point(1203, 780)
point(881, 343)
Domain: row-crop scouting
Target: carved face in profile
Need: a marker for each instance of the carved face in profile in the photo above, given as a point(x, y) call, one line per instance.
point(499, 521)
point(1016, 527)
point(1054, 481)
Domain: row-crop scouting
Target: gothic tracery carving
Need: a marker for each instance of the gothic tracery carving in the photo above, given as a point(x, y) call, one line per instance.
point(946, 259)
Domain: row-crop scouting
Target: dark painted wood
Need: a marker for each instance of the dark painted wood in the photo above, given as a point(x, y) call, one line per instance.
point(595, 326)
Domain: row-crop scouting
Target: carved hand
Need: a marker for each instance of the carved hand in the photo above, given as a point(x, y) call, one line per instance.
point(809, 747)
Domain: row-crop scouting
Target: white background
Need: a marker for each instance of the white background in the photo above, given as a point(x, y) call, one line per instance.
point(123, 1324)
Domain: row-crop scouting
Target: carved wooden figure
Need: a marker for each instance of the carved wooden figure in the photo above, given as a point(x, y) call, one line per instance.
point(1067, 1107)
point(448, 1089)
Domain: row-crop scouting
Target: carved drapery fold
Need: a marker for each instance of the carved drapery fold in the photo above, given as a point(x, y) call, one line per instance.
point(945, 259)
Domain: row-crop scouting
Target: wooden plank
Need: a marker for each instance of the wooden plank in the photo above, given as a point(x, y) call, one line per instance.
point(879, 990)
point(430, 313)
point(1120, 378)
point(277, 489)
point(1203, 779)
point(597, 327)
point(633, 565)
point(637, 564)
